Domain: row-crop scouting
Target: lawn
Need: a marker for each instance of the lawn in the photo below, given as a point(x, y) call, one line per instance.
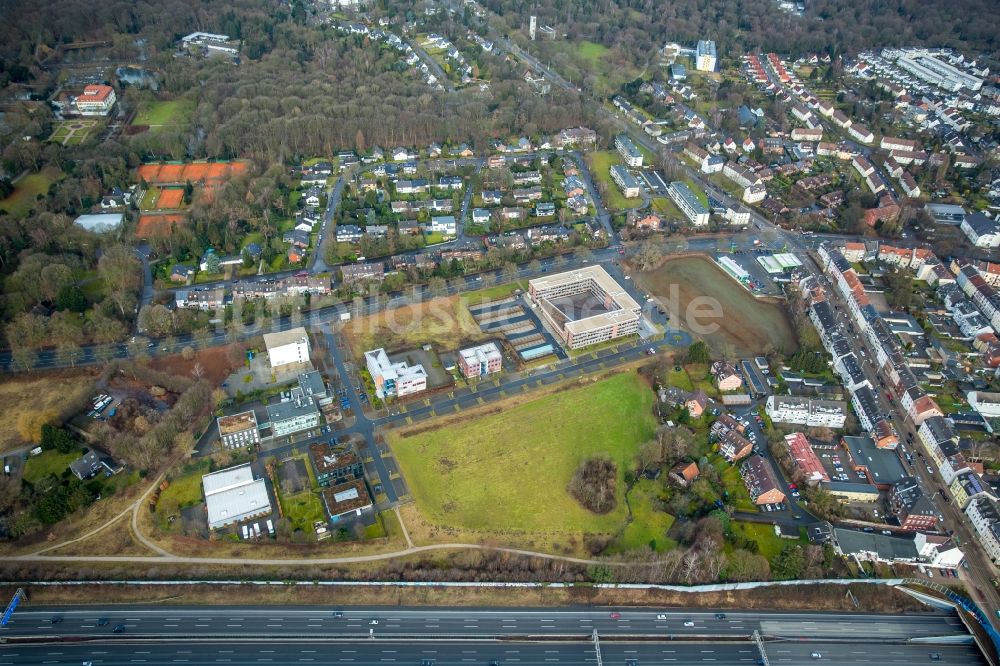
point(48, 462)
point(746, 323)
point(184, 490)
point(507, 469)
point(668, 210)
point(27, 189)
point(303, 509)
point(443, 322)
point(769, 544)
point(680, 379)
point(600, 164)
point(149, 199)
point(163, 115)
point(649, 527)
point(591, 51)
point(732, 482)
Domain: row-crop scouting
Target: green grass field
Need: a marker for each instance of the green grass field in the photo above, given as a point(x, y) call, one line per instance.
point(649, 527)
point(27, 189)
point(600, 164)
point(493, 293)
point(507, 471)
point(591, 52)
point(163, 115)
point(303, 509)
point(48, 462)
point(149, 199)
point(769, 544)
point(184, 490)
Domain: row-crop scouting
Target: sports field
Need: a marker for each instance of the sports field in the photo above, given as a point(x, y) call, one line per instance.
point(170, 199)
point(505, 469)
point(157, 225)
point(164, 115)
point(199, 173)
point(747, 323)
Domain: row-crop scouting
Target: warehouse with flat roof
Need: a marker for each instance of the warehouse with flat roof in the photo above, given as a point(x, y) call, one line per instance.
point(232, 495)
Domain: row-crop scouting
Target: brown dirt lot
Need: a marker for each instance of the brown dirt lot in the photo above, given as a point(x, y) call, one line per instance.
point(23, 393)
point(216, 363)
point(748, 324)
point(443, 322)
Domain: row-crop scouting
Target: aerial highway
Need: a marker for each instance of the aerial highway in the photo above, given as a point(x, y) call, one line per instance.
point(465, 623)
point(378, 635)
point(126, 652)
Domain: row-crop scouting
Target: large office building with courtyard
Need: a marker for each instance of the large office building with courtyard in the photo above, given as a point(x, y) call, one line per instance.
point(585, 306)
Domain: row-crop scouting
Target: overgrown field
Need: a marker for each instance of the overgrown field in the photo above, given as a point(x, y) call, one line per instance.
point(506, 471)
point(443, 322)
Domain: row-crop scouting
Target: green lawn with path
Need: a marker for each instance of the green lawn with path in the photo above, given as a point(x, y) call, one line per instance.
point(507, 471)
point(165, 114)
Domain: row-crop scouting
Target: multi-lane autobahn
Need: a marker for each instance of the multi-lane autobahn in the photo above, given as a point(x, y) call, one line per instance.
point(468, 653)
point(380, 635)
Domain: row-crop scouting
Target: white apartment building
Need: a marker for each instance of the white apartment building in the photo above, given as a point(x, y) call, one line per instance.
point(625, 181)
point(985, 518)
point(803, 411)
point(394, 379)
point(706, 56)
point(287, 347)
point(628, 151)
point(688, 203)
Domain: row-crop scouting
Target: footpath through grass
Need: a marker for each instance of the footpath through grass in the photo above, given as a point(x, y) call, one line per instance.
point(508, 469)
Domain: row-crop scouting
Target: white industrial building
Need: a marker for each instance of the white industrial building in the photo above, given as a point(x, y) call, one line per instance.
point(233, 495)
point(287, 347)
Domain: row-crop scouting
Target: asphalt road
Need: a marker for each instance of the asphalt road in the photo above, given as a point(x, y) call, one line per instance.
point(467, 623)
point(466, 653)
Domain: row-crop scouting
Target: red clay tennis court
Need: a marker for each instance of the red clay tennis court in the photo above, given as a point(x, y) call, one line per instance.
point(198, 173)
point(151, 226)
point(171, 199)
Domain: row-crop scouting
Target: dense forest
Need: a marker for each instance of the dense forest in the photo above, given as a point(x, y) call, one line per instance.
point(638, 28)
